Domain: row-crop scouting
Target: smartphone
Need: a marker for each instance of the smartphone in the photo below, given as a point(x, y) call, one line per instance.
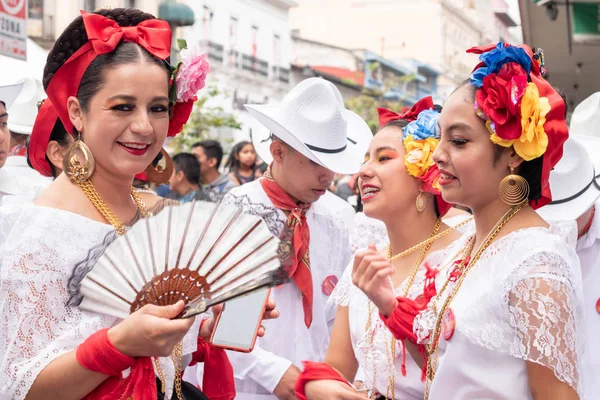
point(236, 327)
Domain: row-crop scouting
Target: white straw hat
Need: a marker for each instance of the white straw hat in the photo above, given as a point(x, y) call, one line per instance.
point(586, 117)
point(312, 119)
point(24, 110)
point(574, 180)
point(9, 93)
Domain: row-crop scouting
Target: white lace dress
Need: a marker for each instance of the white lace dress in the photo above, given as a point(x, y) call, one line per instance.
point(521, 302)
point(39, 249)
point(372, 348)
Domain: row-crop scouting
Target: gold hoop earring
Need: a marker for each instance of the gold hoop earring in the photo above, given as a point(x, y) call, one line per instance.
point(514, 189)
point(160, 175)
point(421, 202)
point(78, 171)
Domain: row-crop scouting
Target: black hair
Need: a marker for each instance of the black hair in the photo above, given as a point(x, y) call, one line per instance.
point(60, 135)
point(212, 149)
point(530, 170)
point(189, 165)
point(233, 163)
point(74, 37)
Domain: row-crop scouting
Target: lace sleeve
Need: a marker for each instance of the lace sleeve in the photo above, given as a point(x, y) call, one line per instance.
point(37, 324)
point(366, 231)
point(545, 311)
point(341, 293)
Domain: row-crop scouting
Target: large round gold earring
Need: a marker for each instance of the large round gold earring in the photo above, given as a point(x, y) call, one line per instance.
point(161, 174)
point(514, 189)
point(78, 171)
point(421, 202)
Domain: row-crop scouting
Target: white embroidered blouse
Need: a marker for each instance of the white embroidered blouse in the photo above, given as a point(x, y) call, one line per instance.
point(521, 302)
point(39, 249)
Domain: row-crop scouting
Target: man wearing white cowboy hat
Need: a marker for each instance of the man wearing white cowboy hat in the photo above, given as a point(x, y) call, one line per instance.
point(311, 136)
point(18, 181)
point(575, 185)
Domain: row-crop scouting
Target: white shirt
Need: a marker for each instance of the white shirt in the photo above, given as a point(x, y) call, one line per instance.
point(372, 347)
point(287, 340)
point(40, 249)
point(521, 302)
point(19, 182)
point(588, 250)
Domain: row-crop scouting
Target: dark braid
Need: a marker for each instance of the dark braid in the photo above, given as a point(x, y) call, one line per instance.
point(74, 37)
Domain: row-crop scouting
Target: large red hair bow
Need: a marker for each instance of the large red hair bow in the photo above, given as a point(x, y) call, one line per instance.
point(386, 116)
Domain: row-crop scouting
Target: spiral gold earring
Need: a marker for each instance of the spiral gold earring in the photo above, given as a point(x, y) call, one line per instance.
point(421, 202)
point(78, 171)
point(514, 189)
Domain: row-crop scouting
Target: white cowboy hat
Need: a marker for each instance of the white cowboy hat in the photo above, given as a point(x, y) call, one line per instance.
point(9, 93)
point(312, 120)
point(25, 108)
point(586, 117)
point(574, 180)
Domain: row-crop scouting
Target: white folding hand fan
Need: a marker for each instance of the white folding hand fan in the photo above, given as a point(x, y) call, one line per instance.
point(202, 253)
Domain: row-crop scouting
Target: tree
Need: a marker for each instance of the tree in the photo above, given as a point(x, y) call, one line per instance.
point(369, 100)
point(203, 118)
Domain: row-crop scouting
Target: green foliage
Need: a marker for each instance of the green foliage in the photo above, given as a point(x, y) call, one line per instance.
point(368, 101)
point(205, 118)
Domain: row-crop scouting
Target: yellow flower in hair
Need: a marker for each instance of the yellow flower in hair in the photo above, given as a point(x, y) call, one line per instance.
point(419, 155)
point(533, 140)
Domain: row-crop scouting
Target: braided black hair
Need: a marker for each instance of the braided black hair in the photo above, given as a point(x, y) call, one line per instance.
point(74, 37)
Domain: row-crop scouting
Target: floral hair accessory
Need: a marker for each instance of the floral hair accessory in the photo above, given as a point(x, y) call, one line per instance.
point(420, 139)
point(520, 108)
point(187, 79)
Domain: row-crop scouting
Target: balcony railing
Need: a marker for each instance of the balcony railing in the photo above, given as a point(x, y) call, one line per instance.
point(281, 74)
point(213, 50)
point(256, 65)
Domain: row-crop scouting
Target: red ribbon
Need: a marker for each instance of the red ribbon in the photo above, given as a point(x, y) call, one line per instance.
point(555, 126)
point(104, 35)
point(296, 222)
point(386, 116)
point(315, 372)
point(97, 354)
point(40, 137)
point(218, 382)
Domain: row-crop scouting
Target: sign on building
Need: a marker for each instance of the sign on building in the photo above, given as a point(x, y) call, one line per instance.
point(13, 28)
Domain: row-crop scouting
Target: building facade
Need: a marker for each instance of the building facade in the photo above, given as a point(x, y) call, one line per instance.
point(249, 48)
point(433, 32)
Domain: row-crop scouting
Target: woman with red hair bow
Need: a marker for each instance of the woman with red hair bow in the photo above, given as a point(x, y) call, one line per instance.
point(110, 84)
point(398, 178)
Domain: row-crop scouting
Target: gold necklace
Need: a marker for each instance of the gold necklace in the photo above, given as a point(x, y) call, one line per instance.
point(390, 391)
point(92, 194)
point(427, 242)
point(433, 347)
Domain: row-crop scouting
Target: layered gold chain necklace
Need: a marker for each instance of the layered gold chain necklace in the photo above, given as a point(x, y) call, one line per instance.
point(92, 194)
point(465, 267)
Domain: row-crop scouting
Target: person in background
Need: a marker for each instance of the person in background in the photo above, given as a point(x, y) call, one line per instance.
point(242, 163)
point(292, 198)
point(21, 181)
point(185, 181)
point(214, 183)
point(576, 193)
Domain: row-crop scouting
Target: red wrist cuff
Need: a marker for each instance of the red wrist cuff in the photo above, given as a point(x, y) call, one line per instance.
point(316, 372)
point(98, 354)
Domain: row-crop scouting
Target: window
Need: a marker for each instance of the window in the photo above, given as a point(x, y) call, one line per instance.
point(129, 4)
point(89, 5)
point(254, 40)
point(36, 9)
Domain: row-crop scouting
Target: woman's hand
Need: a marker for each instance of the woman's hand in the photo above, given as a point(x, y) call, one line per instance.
point(150, 331)
point(330, 390)
point(372, 273)
point(209, 325)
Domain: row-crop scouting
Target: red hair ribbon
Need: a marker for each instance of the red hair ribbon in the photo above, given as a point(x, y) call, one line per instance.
point(386, 116)
point(40, 137)
point(555, 126)
point(104, 35)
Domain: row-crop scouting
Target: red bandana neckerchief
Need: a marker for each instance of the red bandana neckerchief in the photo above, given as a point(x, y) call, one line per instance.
point(298, 226)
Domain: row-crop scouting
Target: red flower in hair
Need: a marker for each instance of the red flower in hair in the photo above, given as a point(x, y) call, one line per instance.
point(181, 114)
point(500, 100)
